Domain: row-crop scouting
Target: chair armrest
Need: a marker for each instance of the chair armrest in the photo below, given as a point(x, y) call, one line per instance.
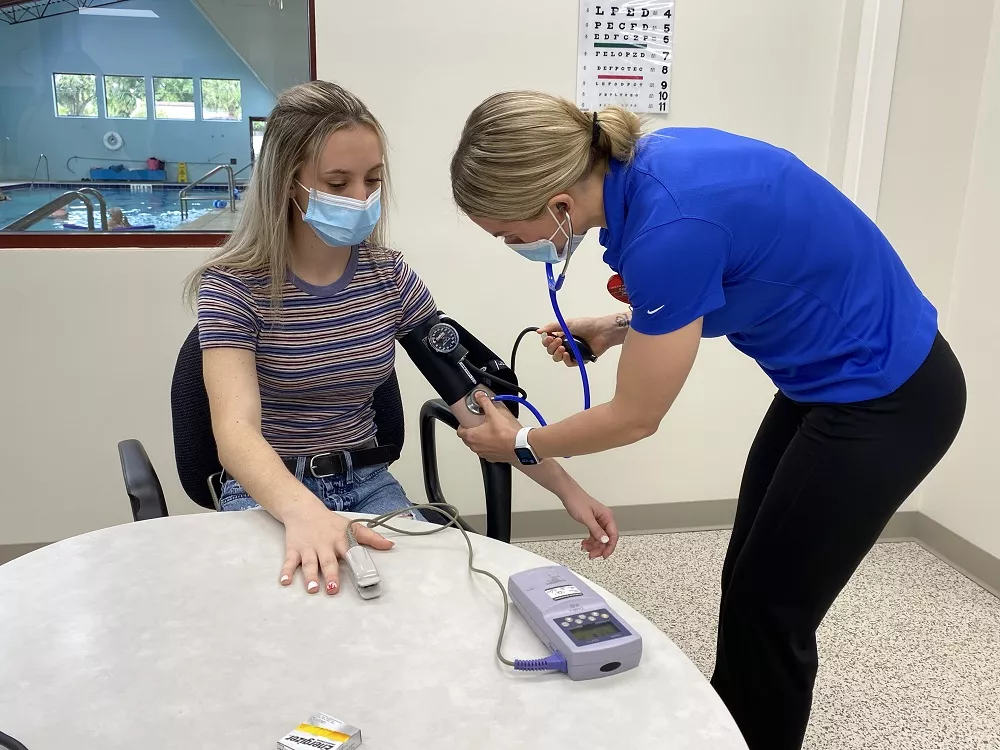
point(497, 483)
point(141, 483)
point(496, 477)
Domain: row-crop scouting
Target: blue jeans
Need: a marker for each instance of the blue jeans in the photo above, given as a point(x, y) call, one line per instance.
point(369, 490)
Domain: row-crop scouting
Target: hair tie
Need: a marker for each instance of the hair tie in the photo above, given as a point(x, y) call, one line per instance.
point(596, 136)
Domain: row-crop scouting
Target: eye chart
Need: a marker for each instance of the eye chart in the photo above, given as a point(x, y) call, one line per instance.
point(625, 54)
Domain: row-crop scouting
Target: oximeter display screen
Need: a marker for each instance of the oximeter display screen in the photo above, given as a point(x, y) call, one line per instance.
point(586, 633)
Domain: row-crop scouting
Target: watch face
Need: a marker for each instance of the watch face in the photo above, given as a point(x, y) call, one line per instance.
point(442, 338)
point(525, 456)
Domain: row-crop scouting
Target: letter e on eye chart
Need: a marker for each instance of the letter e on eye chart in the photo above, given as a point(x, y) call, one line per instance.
point(625, 55)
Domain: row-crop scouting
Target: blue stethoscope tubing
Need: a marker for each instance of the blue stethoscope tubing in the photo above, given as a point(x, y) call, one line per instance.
point(555, 284)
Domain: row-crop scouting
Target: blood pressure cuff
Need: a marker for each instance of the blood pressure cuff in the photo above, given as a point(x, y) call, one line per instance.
point(453, 380)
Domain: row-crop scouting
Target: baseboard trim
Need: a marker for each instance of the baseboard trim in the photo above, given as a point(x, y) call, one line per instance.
point(543, 525)
point(905, 526)
point(972, 561)
point(665, 518)
point(902, 527)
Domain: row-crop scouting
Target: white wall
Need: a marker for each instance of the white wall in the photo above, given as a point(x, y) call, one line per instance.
point(80, 380)
point(963, 494)
point(932, 123)
point(89, 345)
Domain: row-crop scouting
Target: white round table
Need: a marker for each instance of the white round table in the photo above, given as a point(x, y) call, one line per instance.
point(174, 633)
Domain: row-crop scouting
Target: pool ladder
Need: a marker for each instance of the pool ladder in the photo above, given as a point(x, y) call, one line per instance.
point(231, 179)
point(41, 158)
point(83, 194)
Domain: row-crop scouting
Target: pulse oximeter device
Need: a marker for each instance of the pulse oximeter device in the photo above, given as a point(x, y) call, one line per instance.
point(572, 619)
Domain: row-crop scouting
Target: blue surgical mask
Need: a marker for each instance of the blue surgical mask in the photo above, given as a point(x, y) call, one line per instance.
point(545, 251)
point(340, 221)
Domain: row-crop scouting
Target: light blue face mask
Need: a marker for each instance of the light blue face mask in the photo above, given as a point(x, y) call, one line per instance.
point(545, 251)
point(340, 221)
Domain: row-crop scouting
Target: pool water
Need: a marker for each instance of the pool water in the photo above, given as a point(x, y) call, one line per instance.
point(160, 206)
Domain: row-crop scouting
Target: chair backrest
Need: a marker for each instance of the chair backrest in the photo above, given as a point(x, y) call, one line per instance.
point(145, 493)
point(195, 451)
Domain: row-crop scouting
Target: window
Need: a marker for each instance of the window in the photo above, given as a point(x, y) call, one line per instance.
point(125, 97)
point(173, 98)
point(221, 99)
point(76, 94)
point(73, 115)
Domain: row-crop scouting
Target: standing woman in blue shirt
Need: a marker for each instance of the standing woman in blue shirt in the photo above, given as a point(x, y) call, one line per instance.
point(714, 235)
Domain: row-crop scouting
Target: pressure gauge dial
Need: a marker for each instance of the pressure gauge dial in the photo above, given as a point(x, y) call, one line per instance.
point(443, 338)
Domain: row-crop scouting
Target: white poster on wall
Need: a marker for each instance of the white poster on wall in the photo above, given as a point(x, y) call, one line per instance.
point(625, 55)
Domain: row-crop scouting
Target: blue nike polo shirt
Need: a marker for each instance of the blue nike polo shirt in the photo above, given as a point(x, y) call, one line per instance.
point(704, 223)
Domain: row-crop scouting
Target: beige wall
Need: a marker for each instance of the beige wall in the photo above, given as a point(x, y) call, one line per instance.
point(932, 123)
point(79, 381)
point(963, 494)
point(89, 345)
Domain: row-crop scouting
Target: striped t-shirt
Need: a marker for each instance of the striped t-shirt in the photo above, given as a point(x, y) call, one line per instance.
point(320, 359)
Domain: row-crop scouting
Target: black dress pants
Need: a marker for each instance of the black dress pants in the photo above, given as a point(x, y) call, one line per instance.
point(821, 483)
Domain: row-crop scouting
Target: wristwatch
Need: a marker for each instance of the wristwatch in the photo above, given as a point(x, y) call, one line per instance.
point(523, 450)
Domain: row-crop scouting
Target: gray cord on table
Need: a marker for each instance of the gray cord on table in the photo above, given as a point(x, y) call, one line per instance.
point(451, 513)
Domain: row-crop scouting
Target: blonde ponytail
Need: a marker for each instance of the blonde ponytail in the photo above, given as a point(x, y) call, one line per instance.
point(520, 148)
point(620, 130)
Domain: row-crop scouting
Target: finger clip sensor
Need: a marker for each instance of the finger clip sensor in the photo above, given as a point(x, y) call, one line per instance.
point(362, 568)
point(364, 573)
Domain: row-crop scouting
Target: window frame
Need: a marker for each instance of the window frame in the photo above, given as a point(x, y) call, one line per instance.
point(97, 96)
point(147, 90)
point(201, 101)
point(138, 240)
point(194, 98)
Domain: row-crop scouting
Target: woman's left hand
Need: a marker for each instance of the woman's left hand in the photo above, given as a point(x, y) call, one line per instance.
point(598, 519)
point(494, 438)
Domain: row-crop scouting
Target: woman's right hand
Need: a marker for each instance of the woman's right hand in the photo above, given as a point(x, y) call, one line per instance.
point(600, 334)
point(315, 538)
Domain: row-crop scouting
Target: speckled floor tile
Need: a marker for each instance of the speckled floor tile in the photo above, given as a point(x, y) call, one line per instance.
point(909, 653)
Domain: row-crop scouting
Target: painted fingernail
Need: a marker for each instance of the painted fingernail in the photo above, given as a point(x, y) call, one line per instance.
point(331, 587)
point(285, 579)
point(605, 540)
point(313, 587)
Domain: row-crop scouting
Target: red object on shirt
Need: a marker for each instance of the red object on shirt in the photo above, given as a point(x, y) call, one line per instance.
point(617, 289)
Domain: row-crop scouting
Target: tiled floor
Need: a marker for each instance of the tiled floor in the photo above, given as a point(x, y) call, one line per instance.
point(909, 653)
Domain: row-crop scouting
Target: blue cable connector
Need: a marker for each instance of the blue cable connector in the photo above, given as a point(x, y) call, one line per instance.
point(554, 662)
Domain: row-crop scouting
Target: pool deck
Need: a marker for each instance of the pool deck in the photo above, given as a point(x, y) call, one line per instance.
point(216, 220)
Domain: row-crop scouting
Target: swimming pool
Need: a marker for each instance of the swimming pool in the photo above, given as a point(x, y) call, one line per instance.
point(159, 206)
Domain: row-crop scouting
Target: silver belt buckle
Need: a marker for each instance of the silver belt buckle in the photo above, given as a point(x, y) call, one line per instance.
point(312, 465)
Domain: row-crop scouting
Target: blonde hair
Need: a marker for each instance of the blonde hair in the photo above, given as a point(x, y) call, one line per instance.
point(297, 128)
point(520, 148)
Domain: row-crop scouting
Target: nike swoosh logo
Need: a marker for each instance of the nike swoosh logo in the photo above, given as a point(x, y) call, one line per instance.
point(653, 312)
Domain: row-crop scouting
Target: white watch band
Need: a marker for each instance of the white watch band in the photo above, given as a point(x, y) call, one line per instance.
point(521, 441)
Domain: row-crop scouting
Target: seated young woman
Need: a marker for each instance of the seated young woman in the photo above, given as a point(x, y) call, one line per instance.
point(298, 315)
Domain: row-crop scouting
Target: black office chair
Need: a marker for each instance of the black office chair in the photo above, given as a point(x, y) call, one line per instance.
point(200, 472)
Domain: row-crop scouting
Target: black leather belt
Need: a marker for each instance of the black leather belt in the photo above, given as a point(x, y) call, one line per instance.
point(334, 462)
